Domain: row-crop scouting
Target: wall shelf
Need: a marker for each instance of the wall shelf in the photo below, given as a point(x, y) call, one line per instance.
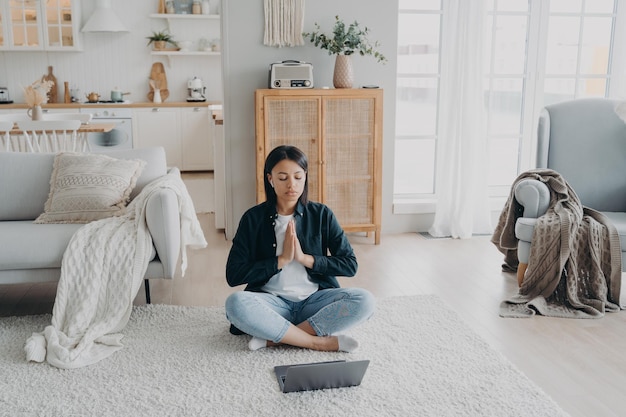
point(185, 53)
point(169, 17)
point(184, 16)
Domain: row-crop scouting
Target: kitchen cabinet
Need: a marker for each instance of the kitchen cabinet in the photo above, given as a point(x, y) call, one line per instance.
point(159, 126)
point(195, 134)
point(51, 25)
point(184, 132)
point(340, 131)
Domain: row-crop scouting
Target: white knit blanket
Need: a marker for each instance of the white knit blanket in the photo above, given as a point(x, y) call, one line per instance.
point(102, 270)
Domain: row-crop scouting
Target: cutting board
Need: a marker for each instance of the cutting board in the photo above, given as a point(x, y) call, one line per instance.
point(157, 73)
point(52, 95)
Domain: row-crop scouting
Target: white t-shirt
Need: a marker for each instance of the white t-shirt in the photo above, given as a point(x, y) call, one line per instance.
point(292, 282)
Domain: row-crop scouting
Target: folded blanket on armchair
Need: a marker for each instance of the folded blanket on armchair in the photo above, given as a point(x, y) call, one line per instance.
point(574, 267)
point(102, 270)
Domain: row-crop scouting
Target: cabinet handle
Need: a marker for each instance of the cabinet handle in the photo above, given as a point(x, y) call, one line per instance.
point(155, 109)
point(196, 109)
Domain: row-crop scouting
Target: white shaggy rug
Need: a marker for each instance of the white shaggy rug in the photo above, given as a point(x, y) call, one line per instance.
point(182, 361)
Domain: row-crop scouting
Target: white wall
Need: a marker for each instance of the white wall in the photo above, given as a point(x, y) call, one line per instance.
point(123, 60)
point(246, 62)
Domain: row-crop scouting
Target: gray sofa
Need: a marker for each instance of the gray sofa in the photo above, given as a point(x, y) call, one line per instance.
point(585, 141)
point(32, 252)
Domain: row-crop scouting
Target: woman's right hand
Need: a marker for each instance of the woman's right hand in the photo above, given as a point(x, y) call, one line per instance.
point(289, 246)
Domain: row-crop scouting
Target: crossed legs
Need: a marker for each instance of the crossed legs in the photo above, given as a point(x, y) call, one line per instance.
point(311, 323)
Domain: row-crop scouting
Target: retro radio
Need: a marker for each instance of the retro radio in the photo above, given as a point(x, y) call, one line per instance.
point(291, 74)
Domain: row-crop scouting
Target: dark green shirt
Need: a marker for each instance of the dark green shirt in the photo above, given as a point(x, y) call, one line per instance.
point(252, 259)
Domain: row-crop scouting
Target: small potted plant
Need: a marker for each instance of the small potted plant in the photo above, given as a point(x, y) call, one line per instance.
point(160, 40)
point(345, 41)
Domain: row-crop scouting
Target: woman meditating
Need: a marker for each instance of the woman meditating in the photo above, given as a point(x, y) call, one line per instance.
point(289, 251)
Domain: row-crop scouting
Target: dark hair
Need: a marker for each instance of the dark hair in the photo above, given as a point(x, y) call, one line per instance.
point(274, 157)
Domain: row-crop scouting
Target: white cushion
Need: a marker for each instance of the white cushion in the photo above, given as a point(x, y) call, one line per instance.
point(88, 187)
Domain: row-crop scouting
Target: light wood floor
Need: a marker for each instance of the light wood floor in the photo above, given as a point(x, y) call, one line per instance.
point(581, 364)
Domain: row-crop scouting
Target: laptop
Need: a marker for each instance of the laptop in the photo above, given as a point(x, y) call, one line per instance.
point(320, 375)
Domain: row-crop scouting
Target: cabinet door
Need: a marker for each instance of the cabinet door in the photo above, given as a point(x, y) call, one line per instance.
point(159, 126)
point(39, 25)
point(197, 143)
point(61, 26)
point(3, 26)
point(349, 159)
point(290, 121)
point(23, 22)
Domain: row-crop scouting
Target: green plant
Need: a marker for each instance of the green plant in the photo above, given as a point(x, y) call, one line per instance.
point(345, 41)
point(160, 36)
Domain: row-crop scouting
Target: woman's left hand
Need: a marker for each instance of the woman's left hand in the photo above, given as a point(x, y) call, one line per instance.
point(299, 255)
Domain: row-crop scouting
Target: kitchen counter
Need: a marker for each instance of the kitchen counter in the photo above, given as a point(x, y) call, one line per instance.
point(136, 105)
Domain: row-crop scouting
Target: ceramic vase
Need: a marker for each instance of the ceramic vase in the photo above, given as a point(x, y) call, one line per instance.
point(157, 96)
point(35, 113)
point(343, 76)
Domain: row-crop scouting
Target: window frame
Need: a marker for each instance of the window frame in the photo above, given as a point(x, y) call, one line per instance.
point(533, 79)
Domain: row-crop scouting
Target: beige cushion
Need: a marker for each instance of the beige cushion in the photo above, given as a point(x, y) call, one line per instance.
point(87, 187)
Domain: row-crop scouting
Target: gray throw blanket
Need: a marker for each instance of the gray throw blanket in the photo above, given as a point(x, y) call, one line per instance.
point(575, 264)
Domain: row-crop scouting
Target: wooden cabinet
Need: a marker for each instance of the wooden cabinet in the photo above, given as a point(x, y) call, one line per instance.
point(340, 130)
point(51, 25)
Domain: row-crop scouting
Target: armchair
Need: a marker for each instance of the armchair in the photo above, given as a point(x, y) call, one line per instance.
point(584, 140)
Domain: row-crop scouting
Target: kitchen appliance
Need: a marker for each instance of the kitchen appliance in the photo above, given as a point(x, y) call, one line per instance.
point(4, 96)
point(196, 90)
point(291, 74)
point(120, 137)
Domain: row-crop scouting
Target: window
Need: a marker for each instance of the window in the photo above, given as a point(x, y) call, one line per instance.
point(537, 53)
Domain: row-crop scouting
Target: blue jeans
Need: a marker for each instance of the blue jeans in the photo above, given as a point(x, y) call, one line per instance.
point(328, 311)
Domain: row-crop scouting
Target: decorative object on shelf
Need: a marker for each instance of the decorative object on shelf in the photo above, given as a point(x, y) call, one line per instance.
point(35, 95)
point(196, 7)
point(161, 8)
point(169, 7)
point(158, 81)
point(204, 44)
point(206, 7)
point(160, 39)
point(185, 46)
point(67, 97)
point(343, 43)
point(52, 94)
point(284, 20)
point(183, 6)
point(343, 75)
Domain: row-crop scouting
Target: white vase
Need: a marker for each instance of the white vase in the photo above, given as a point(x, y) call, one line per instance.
point(206, 7)
point(343, 77)
point(35, 113)
point(157, 96)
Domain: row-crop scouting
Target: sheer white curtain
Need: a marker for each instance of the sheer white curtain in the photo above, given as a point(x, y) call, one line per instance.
point(462, 154)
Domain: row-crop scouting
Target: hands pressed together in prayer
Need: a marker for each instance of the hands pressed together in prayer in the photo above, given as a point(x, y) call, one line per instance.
point(292, 251)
